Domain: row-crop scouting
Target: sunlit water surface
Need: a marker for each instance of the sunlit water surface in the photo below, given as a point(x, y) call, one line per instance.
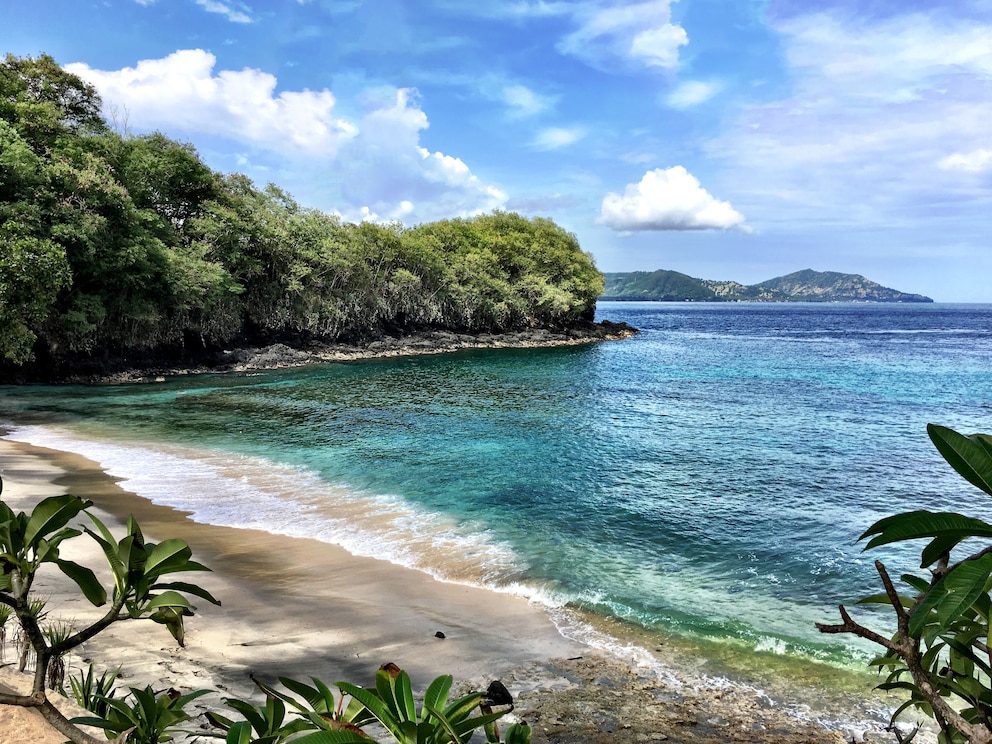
point(705, 480)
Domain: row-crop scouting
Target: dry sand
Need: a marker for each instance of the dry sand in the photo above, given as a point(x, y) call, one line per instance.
point(297, 607)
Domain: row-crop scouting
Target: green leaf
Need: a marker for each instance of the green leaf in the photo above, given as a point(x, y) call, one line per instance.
point(193, 589)
point(970, 456)
point(947, 527)
point(168, 599)
point(86, 580)
point(165, 555)
point(952, 595)
point(518, 733)
point(436, 696)
point(52, 514)
point(374, 705)
point(333, 737)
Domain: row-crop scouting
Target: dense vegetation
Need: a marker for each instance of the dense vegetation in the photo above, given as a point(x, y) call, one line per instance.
point(113, 245)
point(800, 286)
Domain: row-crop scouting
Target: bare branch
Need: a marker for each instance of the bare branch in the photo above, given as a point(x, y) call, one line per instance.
point(890, 591)
point(850, 626)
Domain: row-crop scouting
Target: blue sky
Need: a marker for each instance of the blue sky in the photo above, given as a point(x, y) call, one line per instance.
point(724, 139)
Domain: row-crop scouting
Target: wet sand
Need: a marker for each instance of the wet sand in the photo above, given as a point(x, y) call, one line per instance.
point(298, 607)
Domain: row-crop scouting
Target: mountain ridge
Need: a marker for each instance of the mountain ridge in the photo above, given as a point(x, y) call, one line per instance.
point(805, 285)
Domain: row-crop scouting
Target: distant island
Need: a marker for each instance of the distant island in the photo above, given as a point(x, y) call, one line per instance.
point(800, 286)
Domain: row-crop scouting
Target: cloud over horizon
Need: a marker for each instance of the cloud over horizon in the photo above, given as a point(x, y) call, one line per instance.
point(671, 199)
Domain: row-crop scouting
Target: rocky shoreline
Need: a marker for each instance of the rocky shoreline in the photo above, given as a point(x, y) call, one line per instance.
point(285, 354)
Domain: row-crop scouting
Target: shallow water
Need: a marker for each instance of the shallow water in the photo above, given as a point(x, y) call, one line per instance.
point(706, 479)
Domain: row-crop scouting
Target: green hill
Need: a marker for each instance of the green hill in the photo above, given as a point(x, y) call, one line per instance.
point(800, 286)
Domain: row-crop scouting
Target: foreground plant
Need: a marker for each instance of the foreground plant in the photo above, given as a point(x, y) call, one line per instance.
point(941, 653)
point(144, 715)
point(30, 543)
point(326, 717)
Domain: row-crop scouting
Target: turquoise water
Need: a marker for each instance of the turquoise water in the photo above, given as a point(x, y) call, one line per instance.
point(707, 478)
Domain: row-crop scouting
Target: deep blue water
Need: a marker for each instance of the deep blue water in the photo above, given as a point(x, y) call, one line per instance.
point(706, 478)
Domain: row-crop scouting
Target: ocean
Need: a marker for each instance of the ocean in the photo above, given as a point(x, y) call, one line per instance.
point(705, 480)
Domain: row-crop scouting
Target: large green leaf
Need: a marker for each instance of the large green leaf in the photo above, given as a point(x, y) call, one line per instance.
point(52, 514)
point(970, 456)
point(85, 579)
point(374, 705)
point(436, 696)
point(952, 595)
point(948, 528)
point(193, 589)
point(168, 599)
point(334, 737)
point(167, 556)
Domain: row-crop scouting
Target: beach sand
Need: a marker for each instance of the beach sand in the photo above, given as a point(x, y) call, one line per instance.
point(298, 607)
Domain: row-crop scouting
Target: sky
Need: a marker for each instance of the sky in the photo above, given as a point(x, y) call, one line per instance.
point(725, 139)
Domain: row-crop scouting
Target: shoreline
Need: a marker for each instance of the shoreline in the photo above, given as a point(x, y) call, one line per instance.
point(296, 607)
point(279, 355)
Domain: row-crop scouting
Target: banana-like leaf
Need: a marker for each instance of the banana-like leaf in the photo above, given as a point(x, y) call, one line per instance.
point(374, 705)
point(86, 580)
point(52, 514)
point(168, 599)
point(518, 733)
point(166, 552)
point(952, 595)
point(436, 696)
point(238, 733)
point(919, 524)
point(317, 701)
point(970, 456)
point(334, 737)
point(919, 584)
point(182, 586)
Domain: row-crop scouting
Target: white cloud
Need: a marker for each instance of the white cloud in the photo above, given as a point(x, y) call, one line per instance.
point(181, 92)
point(640, 33)
point(373, 161)
point(554, 138)
point(224, 9)
point(523, 101)
point(671, 199)
point(692, 93)
point(884, 118)
point(975, 161)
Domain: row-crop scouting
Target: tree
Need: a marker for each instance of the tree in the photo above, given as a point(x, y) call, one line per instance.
point(940, 654)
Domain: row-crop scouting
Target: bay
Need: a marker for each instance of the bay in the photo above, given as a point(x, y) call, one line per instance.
point(705, 480)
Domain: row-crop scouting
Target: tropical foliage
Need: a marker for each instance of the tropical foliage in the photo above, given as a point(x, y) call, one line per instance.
point(940, 656)
point(144, 588)
point(111, 243)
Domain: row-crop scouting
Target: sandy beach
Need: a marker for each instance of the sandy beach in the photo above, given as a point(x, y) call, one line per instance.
point(298, 607)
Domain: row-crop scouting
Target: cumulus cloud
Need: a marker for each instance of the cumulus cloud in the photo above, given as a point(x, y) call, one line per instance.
point(182, 92)
point(671, 199)
point(640, 33)
point(554, 138)
point(372, 162)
